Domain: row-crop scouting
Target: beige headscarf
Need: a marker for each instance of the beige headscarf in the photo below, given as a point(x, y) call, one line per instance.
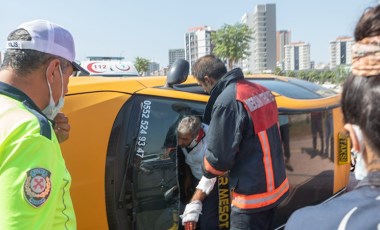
point(366, 57)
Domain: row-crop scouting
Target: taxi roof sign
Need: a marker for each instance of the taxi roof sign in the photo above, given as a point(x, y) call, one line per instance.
point(110, 68)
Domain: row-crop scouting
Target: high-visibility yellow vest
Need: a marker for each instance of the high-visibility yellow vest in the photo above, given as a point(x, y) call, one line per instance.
point(34, 180)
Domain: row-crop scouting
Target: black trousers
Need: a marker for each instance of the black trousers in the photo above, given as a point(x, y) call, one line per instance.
point(252, 221)
point(209, 219)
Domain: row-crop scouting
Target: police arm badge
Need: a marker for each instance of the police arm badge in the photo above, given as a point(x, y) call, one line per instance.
point(37, 186)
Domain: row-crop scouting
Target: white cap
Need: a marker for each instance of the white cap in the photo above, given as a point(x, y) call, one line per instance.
point(47, 37)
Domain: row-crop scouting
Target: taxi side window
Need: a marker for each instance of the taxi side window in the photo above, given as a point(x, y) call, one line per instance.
point(155, 173)
point(308, 147)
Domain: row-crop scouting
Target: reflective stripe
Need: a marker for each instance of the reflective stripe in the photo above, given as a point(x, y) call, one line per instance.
point(211, 169)
point(259, 200)
point(344, 222)
point(267, 160)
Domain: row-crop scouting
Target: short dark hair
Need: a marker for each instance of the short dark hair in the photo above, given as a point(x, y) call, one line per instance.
point(24, 61)
point(210, 66)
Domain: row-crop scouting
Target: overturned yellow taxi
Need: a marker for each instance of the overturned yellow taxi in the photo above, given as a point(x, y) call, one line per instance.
point(121, 128)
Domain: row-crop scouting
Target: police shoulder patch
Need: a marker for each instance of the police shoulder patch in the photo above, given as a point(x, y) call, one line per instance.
point(37, 186)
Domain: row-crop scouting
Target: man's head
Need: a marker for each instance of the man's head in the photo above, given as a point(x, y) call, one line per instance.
point(208, 70)
point(187, 130)
point(41, 54)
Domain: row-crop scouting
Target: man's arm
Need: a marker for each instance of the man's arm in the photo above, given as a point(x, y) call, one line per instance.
point(193, 209)
point(19, 202)
point(223, 138)
point(199, 195)
point(191, 214)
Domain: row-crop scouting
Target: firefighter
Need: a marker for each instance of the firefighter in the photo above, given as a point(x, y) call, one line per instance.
point(243, 139)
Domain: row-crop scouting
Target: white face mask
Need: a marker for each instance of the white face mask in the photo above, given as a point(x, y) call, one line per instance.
point(197, 139)
point(360, 167)
point(52, 109)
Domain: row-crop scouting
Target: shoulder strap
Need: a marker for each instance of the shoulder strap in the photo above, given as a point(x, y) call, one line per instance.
point(7, 90)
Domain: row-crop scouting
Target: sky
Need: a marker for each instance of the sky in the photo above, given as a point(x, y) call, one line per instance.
point(148, 29)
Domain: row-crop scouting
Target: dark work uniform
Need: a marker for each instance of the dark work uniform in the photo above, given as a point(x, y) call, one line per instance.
point(244, 139)
point(357, 209)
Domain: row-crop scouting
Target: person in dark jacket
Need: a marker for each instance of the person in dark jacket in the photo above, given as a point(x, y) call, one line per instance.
point(244, 141)
point(359, 208)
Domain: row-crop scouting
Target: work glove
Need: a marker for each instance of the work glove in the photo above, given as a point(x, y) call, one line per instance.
point(191, 214)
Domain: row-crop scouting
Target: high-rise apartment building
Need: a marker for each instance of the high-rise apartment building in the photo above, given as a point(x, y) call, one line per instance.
point(297, 56)
point(153, 67)
point(283, 37)
point(340, 51)
point(198, 43)
point(262, 22)
point(175, 54)
point(247, 63)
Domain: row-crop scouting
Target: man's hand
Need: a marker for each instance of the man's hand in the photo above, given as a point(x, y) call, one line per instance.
point(61, 127)
point(190, 225)
point(191, 214)
point(167, 153)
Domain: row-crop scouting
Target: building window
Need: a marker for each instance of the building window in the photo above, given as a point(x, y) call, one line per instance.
point(343, 52)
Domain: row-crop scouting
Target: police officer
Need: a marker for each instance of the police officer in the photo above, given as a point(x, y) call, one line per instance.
point(244, 140)
point(34, 180)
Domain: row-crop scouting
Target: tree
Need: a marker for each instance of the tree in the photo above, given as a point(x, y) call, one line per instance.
point(313, 75)
point(232, 42)
point(302, 75)
point(290, 73)
point(278, 71)
point(341, 73)
point(141, 65)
